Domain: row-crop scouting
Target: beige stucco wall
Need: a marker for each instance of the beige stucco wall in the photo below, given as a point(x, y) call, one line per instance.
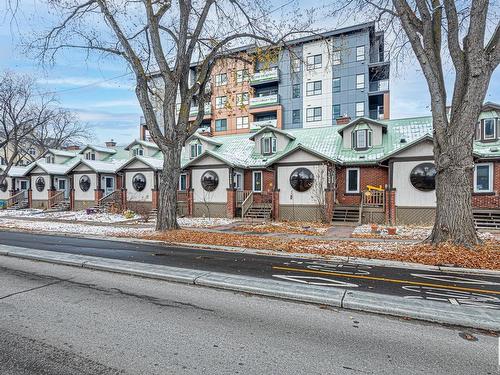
point(281, 141)
point(139, 196)
point(40, 195)
point(219, 195)
point(420, 149)
point(6, 194)
point(406, 194)
point(88, 195)
point(376, 136)
point(300, 157)
point(289, 196)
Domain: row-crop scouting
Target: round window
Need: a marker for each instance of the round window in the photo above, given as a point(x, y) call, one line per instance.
point(40, 183)
point(3, 186)
point(139, 182)
point(423, 177)
point(84, 183)
point(301, 179)
point(209, 180)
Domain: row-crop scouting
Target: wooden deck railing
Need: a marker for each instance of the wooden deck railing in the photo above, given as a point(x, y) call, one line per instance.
point(16, 198)
point(374, 198)
point(246, 204)
point(114, 198)
point(241, 195)
point(56, 198)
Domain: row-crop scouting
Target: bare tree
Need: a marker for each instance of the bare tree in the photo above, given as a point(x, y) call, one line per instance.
point(165, 37)
point(437, 30)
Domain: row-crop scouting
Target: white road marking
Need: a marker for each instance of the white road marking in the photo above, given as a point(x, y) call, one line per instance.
point(315, 280)
point(454, 279)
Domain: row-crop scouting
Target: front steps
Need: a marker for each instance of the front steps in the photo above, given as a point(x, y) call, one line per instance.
point(486, 219)
point(19, 205)
point(259, 212)
point(60, 206)
point(345, 215)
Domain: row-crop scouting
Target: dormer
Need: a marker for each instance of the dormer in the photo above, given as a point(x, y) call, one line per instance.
point(362, 134)
point(488, 127)
point(270, 140)
point(142, 148)
point(197, 144)
point(93, 152)
point(53, 156)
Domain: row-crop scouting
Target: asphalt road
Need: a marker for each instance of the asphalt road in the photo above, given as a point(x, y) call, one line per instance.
point(453, 288)
point(59, 320)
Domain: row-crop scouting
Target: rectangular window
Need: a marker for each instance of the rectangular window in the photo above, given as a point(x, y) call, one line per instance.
point(313, 114)
point(242, 76)
point(49, 159)
point(221, 125)
point(220, 102)
point(314, 62)
point(489, 129)
point(360, 53)
point(237, 181)
point(138, 152)
point(360, 81)
point(360, 109)
point(242, 99)
point(242, 122)
point(183, 182)
point(336, 57)
point(221, 79)
point(483, 178)
point(296, 116)
point(336, 111)
point(90, 156)
point(313, 88)
point(268, 145)
point(296, 91)
point(352, 180)
point(195, 150)
point(295, 64)
point(257, 181)
point(361, 139)
point(32, 151)
point(336, 85)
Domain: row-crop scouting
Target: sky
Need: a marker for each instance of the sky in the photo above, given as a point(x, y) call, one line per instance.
point(101, 91)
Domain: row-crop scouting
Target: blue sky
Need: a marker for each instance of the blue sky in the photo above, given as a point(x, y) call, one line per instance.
point(101, 91)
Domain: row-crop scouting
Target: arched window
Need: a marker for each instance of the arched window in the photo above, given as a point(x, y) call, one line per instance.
point(84, 183)
point(423, 177)
point(301, 179)
point(139, 182)
point(40, 184)
point(209, 180)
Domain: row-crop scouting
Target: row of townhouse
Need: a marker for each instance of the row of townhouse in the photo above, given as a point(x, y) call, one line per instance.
point(367, 170)
point(313, 82)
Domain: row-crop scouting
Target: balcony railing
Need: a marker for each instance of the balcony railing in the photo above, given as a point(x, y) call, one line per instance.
point(261, 124)
point(379, 57)
point(382, 85)
point(264, 76)
point(264, 101)
point(193, 111)
point(377, 113)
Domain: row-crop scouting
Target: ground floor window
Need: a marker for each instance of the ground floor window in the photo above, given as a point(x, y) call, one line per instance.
point(183, 182)
point(257, 181)
point(352, 180)
point(237, 181)
point(483, 178)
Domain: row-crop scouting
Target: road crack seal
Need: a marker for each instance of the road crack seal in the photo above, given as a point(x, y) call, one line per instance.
point(32, 289)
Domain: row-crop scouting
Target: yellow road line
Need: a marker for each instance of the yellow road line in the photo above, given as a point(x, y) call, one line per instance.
point(387, 280)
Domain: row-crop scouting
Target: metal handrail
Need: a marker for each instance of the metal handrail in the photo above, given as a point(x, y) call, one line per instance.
point(55, 199)
point(16, 198)
point(247, 203)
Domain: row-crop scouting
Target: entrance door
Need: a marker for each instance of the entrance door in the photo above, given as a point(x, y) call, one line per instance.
point(109, 185)
point(62, 185)
point(23, 186)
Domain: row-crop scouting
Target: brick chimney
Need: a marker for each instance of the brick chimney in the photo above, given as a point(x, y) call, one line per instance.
point(110, 144)
point(343, 120)
point(72, 148)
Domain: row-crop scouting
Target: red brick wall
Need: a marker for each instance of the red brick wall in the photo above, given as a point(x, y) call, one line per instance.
point(368, 176)
point(491, 200)
point(267, 184)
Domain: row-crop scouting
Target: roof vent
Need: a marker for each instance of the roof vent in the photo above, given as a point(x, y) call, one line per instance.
point(494, 149)
point(110, 144)
point(362, 157)
point(403, 140)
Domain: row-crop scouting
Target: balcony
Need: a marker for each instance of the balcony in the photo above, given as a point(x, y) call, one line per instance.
point(377, 113)
point(264, 101)
point(265, 76)
point(260, 124)
point(380, 57)
point(382, 85)
point(193, 111)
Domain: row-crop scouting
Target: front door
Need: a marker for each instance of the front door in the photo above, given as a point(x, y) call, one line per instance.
point(109, 185)
point(23, 186)
point(62, 185)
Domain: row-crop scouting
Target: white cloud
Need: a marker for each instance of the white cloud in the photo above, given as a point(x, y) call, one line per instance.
point(115, 103)
point(83, 81)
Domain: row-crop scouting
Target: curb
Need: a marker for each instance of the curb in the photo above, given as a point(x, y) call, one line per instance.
point(264, 252)
point(431, 311)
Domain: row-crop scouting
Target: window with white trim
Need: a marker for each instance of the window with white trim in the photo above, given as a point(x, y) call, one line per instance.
point(183, 182)
point(360, 81)
point(483, 178)
point(268, 145)
point(360, 109)
point(49, 159)
point(195, 149)
point(313, 114)
point(90, 155)
point(220, 102)
point(242, 76)
point(336, 57)
point(313, 88)
point(139, 151)
point(352, 180)
point(221, 79)
point(360, 53)
point(314, 62)
point(489, 128)
point(238, 181)
point(257, 181)
point(242, 98)
point(242, 122)
point(361, 139)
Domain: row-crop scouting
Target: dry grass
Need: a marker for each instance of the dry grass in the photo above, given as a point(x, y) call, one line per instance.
point(286, 227)
point(485, 256)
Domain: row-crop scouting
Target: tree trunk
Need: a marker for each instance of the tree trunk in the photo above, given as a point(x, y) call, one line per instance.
point(167, 198)
point(454, 186)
